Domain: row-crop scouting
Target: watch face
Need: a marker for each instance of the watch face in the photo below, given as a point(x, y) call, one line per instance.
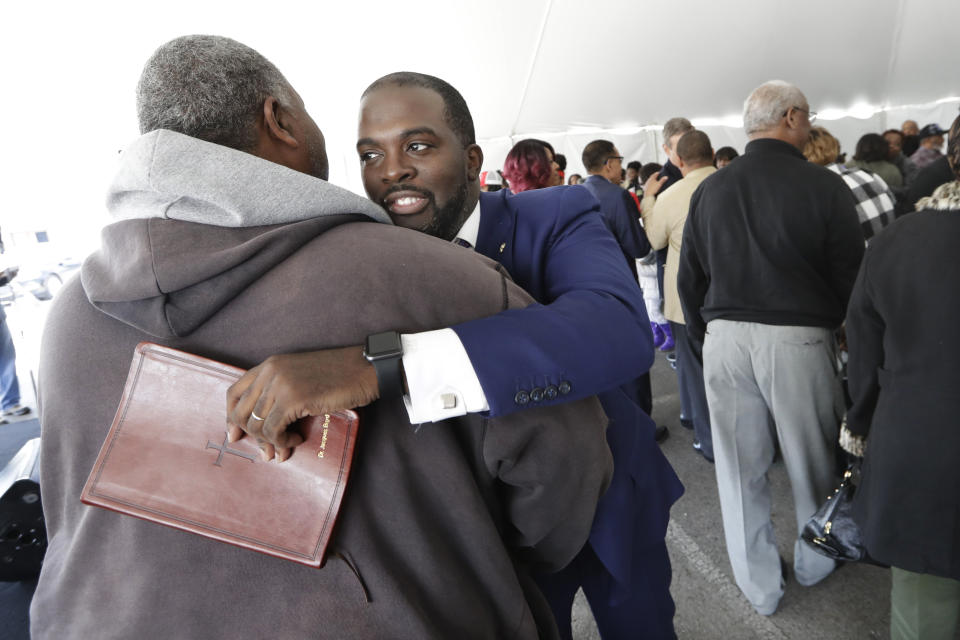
point(384, 345)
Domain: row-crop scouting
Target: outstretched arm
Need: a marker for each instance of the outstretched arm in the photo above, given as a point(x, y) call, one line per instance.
point(589, 334)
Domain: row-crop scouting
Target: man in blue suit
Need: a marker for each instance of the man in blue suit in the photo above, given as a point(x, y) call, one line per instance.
point(603, 162)
point(588, 335)
point(619, 212)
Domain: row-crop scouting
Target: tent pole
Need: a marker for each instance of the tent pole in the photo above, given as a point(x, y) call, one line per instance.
point(533, 64)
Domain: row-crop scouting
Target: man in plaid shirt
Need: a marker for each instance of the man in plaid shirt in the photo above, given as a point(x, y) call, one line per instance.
point(875, 201)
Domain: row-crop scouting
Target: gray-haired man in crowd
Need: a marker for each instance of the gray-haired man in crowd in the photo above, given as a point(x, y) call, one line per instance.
point(771, 249)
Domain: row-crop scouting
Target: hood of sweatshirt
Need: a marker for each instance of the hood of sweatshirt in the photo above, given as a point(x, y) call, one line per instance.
point(197, 223)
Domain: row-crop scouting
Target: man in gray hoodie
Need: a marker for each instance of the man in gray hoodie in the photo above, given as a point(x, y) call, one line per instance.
point(226, 244)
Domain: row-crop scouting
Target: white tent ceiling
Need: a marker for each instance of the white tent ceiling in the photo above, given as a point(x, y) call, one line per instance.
point(567, 70)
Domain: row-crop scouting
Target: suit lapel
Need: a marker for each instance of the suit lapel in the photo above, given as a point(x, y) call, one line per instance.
point(495, 237)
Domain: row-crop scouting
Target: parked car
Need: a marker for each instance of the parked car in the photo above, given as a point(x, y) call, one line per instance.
point(45, 281)
point(7, 292)
point(41, 281)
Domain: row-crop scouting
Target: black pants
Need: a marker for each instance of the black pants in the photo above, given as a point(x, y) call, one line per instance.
point(690, 377)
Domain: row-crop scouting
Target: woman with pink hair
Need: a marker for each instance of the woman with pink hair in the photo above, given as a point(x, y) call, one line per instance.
point(530, 165)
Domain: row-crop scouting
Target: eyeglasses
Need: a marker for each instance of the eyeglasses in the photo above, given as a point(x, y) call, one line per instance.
point(811, 115)
point(609, 158)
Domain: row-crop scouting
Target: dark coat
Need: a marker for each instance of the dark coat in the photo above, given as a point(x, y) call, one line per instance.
point(926, 181)
point(439, 528)
point(904, 375)
point(771, 239)
point(622, 217)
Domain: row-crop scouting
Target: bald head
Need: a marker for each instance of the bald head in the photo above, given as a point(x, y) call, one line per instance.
point(694, 151)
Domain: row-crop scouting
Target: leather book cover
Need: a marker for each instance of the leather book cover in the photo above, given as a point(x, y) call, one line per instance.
point(166, 460)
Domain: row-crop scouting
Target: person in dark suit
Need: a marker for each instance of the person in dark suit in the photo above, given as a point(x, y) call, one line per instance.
point(603, 162)
point(904, 359)
point(622, 217)
point(587, 336)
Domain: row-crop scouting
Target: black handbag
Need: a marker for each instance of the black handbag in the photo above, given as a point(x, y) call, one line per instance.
point(832, 531)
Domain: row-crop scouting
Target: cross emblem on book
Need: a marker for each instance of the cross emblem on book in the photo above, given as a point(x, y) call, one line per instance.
point(223, 448)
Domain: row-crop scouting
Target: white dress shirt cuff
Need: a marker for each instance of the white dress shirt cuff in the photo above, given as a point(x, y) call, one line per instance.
point(440, 378)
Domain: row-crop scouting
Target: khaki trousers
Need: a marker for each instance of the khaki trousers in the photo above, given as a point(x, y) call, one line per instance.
point(764, 384)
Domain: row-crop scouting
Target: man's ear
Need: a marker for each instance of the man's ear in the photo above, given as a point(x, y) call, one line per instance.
point(474, 161)
point(276, 123)
point(794, 119)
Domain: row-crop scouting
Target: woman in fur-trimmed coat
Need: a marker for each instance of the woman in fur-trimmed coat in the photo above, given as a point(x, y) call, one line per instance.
point(904, 374)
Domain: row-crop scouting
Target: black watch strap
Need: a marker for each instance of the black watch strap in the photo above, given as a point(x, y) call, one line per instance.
point(389, 377)
point(385, 352)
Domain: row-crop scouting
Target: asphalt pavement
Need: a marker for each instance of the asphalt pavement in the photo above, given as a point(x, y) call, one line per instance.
point(853, 603)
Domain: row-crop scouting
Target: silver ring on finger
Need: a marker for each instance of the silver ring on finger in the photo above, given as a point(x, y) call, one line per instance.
point(256, 417)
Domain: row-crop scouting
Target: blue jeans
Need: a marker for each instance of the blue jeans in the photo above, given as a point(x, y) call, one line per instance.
point(9, 386)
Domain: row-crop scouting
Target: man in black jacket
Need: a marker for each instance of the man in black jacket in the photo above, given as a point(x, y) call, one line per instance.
point(771, 249)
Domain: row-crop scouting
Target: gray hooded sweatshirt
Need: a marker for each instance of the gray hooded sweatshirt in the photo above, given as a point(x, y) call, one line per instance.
point(232, 257)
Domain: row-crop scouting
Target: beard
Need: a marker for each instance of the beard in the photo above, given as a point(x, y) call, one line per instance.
point(446, 220)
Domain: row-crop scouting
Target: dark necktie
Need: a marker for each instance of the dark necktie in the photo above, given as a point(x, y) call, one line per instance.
point(460, 242)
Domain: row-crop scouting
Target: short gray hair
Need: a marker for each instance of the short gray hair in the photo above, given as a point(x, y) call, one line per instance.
point(675, 126)
point(208, 87)
point(768, 103)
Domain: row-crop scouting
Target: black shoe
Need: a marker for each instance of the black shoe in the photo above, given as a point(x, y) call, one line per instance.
point(699, 449)
point(686, 423)
point(661, 434)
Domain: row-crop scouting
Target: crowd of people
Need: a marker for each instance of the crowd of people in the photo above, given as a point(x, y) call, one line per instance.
point(507, 456)
point(762, 260)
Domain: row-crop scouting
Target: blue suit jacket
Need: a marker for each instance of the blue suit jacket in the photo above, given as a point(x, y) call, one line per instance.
point(620, 214)
point(588, 330)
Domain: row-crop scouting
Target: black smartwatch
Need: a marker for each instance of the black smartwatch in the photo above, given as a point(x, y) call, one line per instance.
point(384, 351)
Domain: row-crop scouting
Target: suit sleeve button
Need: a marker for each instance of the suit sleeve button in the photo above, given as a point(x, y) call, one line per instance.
point(536, 394)
point(522, 397)
point(551, 392)
point(565, 387)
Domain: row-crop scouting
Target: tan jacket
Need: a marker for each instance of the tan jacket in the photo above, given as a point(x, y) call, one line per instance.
point(663, 223)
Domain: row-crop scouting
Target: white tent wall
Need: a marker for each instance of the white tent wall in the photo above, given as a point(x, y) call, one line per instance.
point(567, 71)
